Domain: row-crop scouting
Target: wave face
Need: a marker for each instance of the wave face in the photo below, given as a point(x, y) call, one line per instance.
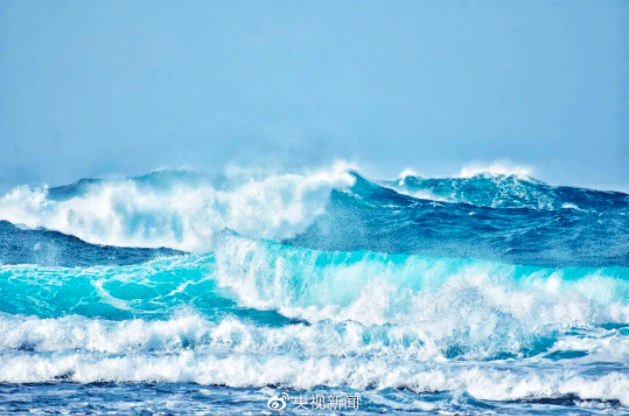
point(490, 293)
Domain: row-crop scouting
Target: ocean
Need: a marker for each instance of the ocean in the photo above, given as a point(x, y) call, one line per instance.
point(328, 292)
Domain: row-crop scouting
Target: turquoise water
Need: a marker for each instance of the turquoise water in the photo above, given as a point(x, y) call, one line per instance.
point(177, 292)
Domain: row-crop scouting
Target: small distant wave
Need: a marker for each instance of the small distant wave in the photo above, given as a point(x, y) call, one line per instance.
point(403, 219)
point(503, 189)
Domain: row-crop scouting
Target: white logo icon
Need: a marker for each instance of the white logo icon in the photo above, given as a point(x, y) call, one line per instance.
point(277, 403)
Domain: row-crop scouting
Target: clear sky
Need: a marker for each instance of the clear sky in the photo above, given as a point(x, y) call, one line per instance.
point(93, 88)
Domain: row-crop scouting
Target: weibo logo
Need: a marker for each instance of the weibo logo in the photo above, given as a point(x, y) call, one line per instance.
point(277, 403)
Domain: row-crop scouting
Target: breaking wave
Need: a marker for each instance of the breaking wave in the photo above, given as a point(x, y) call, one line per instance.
point(176, 209)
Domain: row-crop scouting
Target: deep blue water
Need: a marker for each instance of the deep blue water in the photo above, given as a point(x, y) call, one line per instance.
point(178, 292)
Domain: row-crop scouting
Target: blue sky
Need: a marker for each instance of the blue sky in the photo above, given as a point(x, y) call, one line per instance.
point(93, 88)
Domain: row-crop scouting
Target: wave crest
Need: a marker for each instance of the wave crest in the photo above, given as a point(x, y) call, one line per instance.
point(177, 210)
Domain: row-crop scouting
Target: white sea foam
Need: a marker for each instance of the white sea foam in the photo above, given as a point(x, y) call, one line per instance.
point(458, 323)
point(482, 381)
point(183, 216)
point(420, 193)
point(227, 336)
point(568, 205)
point(375, 321)
point(480, 309)
point(405, 174)
point(375, 288)
point(496, 168)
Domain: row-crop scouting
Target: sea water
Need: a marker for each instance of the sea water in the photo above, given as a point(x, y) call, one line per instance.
point(322, 293)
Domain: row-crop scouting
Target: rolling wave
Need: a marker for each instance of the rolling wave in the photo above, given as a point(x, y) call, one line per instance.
point(443, 307)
